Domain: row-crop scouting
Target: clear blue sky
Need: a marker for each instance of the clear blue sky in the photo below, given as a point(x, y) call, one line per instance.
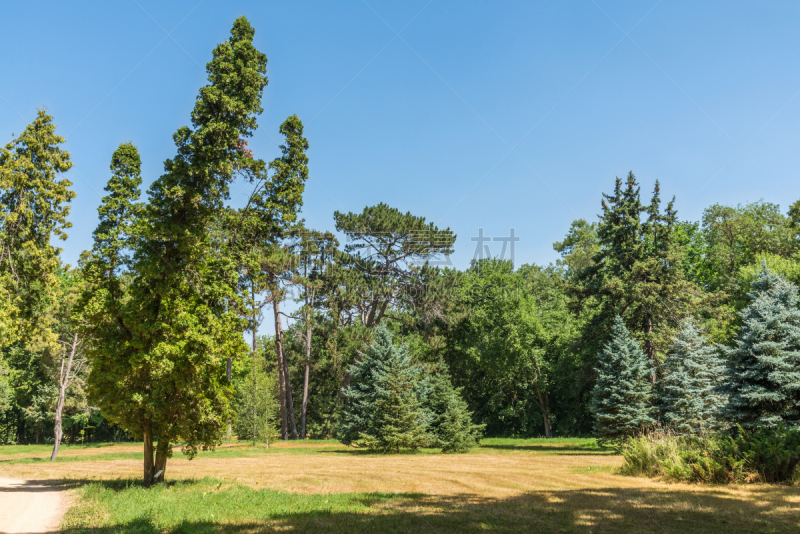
point(479, 114)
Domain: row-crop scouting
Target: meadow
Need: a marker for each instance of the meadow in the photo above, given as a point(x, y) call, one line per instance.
point(505, 485)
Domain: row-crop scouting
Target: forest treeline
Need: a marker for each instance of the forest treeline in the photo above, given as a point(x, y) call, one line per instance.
point(153, 335)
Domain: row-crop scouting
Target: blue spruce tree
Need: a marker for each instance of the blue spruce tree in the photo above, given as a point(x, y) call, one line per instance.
point(621, 398)
point(689, 397)
point(763, 376)
point(382, 408)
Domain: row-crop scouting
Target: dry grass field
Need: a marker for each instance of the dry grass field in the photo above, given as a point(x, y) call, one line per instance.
point(503, 486)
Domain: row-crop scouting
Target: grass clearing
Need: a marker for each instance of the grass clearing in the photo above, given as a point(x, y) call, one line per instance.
point(503, 486)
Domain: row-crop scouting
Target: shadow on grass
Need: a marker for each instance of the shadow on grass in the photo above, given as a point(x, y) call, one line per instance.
point(614, 510)
point(122, 484)
point(554, 448)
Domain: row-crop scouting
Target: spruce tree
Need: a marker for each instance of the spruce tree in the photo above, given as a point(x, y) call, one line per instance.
point(451, 425)
point(763, 375)
point(382, 410)
point(621, 398)
point(636, 274)
point(689, 397)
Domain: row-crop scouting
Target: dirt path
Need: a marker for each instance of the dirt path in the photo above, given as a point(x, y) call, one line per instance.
point(29, 506)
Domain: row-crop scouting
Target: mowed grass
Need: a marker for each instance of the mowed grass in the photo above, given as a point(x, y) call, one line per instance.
point(534, 485)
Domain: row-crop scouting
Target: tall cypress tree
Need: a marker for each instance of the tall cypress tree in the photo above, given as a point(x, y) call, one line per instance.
point(161, 373)
point(382, 409)
point(34, 205)
point(621, 398)
point(763, 376)
point(689, 398)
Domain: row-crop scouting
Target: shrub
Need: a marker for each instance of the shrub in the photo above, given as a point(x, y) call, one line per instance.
point(768, 455)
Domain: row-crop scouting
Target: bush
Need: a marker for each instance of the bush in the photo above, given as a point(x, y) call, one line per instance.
point(768, 455)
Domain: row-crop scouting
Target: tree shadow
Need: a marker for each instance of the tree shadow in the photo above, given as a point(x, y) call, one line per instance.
point(662, 509)
point(120, 484)
point(557, 449)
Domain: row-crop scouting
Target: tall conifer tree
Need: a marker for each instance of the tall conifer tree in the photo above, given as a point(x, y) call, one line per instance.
point(763, 375)
point(636, 274)
point(161, 375)
point(34, 205)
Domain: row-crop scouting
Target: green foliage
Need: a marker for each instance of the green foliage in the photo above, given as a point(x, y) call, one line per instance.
point(383, 411)
point(158, 351)
point(621, 396)
point(508, 346)
point(451, 426)
point(765, 455)
point(383, 260)
point(688, 395)
point(637, 273)
point(34, 207)
point(579, 247)
point(256, 401)
point(786, 268)
point(763, 375)
point(736, 236)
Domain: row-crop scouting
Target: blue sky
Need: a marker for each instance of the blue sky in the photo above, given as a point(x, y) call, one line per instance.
point(477, 115)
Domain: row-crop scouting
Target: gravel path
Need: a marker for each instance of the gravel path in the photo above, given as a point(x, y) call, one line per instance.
point(30, 507)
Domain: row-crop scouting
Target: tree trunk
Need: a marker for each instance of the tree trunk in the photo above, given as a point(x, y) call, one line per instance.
point(281, 367)
point(304, 408)
point(289, 401)
point(548, 431)
point(147, 436)
point(650, 347)
point(162, 451)
point(63, 384)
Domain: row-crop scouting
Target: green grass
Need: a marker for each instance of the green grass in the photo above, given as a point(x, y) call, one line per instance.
point(205, 506)
point(212, 506)
point(215, 506)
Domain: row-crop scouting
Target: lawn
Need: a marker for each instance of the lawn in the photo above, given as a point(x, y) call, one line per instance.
point(534, 485)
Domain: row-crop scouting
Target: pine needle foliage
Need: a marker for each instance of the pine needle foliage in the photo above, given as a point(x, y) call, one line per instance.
point(451, 425)
point(621, 398)
point(689, 397)
point(763, 375)
point(383, 411)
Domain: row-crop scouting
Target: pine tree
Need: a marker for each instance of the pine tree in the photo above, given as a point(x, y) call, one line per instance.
point(689, 399)
point(382, 409)
point(763, 376)
point(621, 398)
point(451, 425)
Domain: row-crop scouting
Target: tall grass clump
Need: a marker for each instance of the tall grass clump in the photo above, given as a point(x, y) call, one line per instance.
point(768, 455)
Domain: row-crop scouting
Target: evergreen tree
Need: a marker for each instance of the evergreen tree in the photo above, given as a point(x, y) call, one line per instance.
point(689, 398)
point(382, 410)
point(158, 364)
point(763, 378)
point(637, 272)
point(34, 204)
point(451, 426)
point(621, 398)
